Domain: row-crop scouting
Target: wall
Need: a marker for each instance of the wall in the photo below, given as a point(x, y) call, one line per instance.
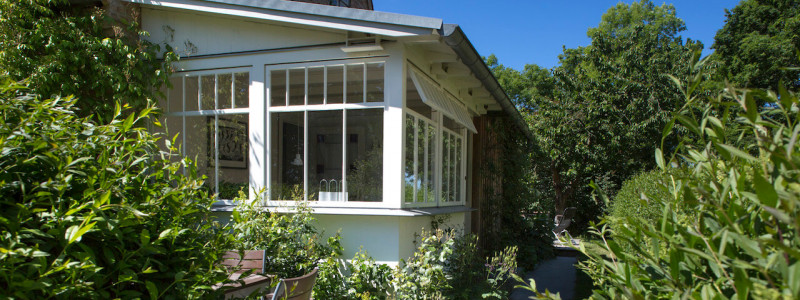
point(193, 34)
point(386, 238)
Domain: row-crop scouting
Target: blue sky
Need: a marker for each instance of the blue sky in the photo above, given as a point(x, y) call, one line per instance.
point(521, 32)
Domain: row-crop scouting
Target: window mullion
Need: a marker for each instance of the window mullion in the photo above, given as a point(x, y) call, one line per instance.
point(416, 159)
point(345, 141)
point(216, 139)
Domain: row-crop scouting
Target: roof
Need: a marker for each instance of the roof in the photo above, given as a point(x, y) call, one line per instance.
point(367, 21)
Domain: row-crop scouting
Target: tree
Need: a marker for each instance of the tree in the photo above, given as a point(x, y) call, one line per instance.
point(758, 41)
point(599, 114)
point(66, 49)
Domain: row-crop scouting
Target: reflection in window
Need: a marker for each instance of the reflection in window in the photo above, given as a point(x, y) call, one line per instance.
point(286, 153)
point(420, 161)
point(218, 141)
point(365, 154)
point(325, 156)
point(278, 88)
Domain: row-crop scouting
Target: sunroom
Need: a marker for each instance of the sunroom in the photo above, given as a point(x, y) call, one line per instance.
point(371, 118)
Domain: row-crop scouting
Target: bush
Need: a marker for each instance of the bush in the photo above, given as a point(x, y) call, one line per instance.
point(743, 239)
point(448, 265)
point(365, 279)
point(291, 240)
point(96, 211)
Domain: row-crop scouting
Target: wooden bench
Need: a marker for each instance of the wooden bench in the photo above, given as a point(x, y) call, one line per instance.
point(250, 262)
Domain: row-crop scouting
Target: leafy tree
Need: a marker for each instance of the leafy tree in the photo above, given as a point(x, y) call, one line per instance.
point(758, 41)
point(70, 49)
point(598, 116)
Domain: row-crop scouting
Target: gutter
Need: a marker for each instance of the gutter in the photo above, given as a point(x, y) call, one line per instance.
point(457, 40)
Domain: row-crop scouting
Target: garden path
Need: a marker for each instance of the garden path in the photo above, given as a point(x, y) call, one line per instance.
point(556, 275)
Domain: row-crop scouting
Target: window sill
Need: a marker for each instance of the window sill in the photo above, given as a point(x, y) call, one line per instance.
point(227, 206)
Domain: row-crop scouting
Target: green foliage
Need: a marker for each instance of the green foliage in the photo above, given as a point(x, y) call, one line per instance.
point(757, 42)
point(448, 265)
point(598, 116)
point(633, 201)
point(291, 240)
point(739, 238)
point(96, 211)
point(366, 279)
point(70, 49)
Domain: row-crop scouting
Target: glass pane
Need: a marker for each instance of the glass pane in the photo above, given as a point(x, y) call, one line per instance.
point(414, 100)
point(286, 156)
point(278, 87)
point(297, 86)
point(325, 156)
point(453, 168)
point(232, 157)
point(409, 165)
point(224, 91)
point(335, 84)
point(175, 95)
point(459, 176)
point(446, 168)
point(174, 126)
point(242, 90)
point(365, 155)
point(375, 82)
point(421, 174)
point(316, 85)
point(191, 93)
point(355, 83)
point(431, 159)
point(200, 147)
point(451, 124)
point(207, 92)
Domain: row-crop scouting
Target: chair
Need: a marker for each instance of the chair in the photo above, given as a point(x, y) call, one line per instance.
point(562, 221)
point(250, 262)
point(298, 288)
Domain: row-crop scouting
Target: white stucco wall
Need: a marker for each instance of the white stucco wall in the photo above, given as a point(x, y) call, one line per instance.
point(193, 34)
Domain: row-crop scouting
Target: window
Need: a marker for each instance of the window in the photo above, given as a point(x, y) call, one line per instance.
point(210, 113)
point(326, 132)
point(434, 146)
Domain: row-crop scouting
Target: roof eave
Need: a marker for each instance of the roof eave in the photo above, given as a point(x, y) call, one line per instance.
point(380, 23)
point(455, 38)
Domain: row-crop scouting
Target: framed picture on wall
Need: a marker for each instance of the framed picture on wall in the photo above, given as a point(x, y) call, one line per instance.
point(232, 143)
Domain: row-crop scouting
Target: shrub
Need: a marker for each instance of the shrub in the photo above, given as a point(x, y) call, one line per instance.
point(291, 240)
point(93, 210)
point(743, 240)
point(361, 278)
point(448, 265)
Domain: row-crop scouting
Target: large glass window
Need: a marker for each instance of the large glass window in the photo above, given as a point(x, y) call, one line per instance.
point(434, 151)
point(322, 154)
point(206, 110)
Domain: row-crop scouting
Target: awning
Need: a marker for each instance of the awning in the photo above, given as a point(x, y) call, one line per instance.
point(436, 97)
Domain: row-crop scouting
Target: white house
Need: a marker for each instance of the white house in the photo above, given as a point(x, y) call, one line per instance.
point(377, 119)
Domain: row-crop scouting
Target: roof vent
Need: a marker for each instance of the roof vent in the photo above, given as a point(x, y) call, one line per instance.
point(360, 42)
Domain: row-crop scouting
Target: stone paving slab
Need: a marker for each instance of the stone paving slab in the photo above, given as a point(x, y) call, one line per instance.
point(556, 275)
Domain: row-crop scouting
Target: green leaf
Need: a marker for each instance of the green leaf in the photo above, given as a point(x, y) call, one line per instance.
point(736, 152)
point(660, 159)
point(152, 289)
point(75, 232)
point(765, 191)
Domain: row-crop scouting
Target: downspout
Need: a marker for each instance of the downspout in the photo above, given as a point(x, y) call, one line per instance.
point(455, 38)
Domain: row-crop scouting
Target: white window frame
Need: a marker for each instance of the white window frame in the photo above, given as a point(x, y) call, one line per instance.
point(305, 108)
point(437, 118)
point(212, 112)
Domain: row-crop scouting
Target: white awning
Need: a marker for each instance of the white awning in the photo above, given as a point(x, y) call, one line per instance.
point(436, 97)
